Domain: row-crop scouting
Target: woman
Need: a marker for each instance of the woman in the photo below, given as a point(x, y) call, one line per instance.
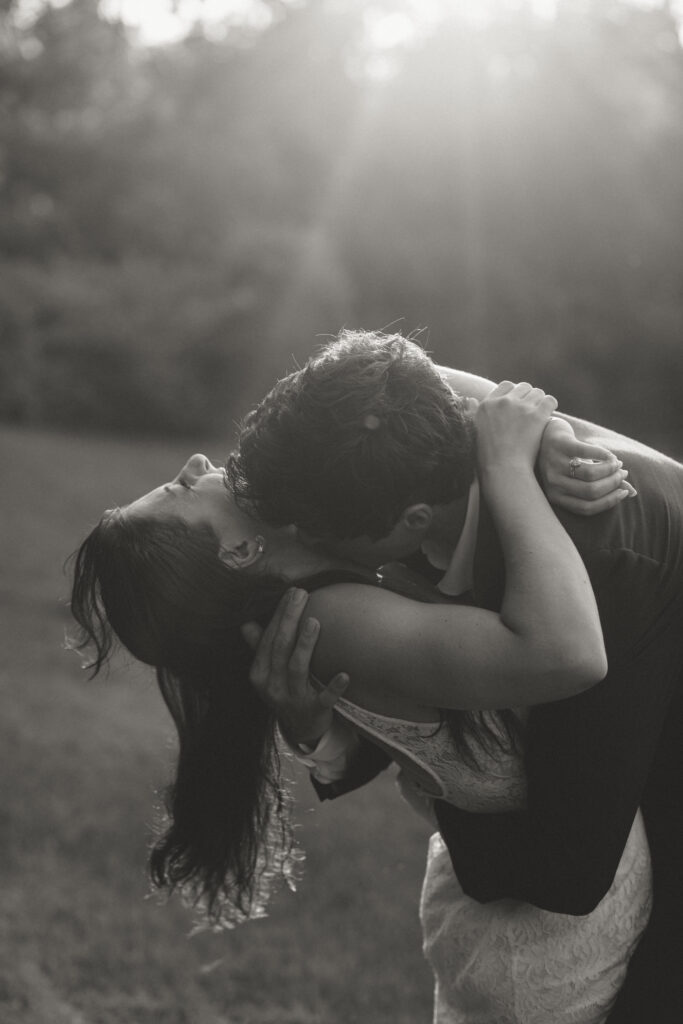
point(177, 572)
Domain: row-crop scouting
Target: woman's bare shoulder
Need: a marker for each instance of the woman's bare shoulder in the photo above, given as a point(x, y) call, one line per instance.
point(339, 596)
point(352, 612)
point(360, 627)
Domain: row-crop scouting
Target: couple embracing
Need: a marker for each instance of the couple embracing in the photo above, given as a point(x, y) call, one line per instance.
point(531, 696)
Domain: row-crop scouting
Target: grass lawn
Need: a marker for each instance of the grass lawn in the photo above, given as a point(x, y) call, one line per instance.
point(80, 941)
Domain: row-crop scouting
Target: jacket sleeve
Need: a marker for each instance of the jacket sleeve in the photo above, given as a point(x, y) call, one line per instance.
point(365, 763)
point(588, 760)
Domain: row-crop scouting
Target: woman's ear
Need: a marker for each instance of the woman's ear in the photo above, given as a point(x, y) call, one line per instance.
point(242, 555)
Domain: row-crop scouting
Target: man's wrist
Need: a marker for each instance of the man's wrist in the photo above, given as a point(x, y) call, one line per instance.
point(310, 746)
point(308, 739)
point(308, 751)
point(329, 759)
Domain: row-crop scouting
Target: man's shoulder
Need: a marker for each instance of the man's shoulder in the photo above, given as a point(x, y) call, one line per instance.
point(650, 523)
point(627, 448)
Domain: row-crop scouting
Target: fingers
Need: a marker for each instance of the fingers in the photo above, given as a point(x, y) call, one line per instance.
point(252, 633)
point(285, 637)
point(582, 507)
point(588, 470)
point(258, 673)
point(281, 671)
point(299, 662)
point(588, 498)
point(524, 391)
point(592, 461)
point(595, 454)
point(595, 488)
point(334, 690)
point(300, 668)
point(278, 639)
point(537, 399)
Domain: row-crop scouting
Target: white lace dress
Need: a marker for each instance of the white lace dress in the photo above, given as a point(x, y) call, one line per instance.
point(507, 962)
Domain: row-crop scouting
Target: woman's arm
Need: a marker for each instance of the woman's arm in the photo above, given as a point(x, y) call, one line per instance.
point(467, 384)
point(579, 476)
point(545, 644)
point(598, 484)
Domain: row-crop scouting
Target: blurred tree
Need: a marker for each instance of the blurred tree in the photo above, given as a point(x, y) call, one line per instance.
point(530, 217)
point(177, 222)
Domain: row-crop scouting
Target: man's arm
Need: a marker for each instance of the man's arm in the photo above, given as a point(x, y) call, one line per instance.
point(341, 761)
point(338, 758)
point(358, 763)
point(280, 672)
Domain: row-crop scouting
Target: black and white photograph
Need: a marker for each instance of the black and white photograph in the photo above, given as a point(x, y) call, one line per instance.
point(341, 445)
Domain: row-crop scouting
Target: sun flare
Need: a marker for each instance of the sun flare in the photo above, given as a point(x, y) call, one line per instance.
point(161, 21)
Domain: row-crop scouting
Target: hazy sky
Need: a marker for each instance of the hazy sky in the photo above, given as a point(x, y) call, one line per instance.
point(160, 21)
point(163, 21)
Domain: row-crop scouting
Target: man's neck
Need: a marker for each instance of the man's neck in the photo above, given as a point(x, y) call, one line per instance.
point(441, 537)
point(295, 561)
point(447, 524)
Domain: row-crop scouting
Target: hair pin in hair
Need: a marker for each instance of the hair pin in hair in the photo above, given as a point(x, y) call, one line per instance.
point(371, 422)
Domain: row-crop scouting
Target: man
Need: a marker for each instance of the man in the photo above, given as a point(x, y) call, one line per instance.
point(316, 456)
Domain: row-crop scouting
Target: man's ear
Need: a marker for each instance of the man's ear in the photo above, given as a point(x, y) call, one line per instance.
point(243, 554)
point(417, 517)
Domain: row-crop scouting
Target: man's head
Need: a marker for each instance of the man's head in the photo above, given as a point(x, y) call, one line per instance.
point(365, 432)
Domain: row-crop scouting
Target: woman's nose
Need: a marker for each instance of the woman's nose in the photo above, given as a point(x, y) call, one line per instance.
point(196, 466)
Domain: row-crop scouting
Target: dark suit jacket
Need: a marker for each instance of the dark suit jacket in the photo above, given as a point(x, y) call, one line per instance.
point(591, 760)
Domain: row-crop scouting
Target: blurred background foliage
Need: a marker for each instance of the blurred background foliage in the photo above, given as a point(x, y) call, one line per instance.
point(177, 222)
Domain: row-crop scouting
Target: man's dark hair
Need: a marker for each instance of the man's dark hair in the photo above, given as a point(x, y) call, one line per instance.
point(342, 446)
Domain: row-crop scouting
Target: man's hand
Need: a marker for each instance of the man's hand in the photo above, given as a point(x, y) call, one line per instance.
point(280, 672)
point(579, 477)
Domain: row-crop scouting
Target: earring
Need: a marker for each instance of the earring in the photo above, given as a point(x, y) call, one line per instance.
point(260, 543)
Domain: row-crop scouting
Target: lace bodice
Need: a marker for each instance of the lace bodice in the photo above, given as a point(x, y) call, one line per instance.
point(426, 753)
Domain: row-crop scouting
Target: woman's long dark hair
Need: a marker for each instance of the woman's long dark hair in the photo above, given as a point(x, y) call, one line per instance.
point(159, 586)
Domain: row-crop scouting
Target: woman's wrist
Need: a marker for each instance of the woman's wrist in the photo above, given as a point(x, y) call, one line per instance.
point(514, 497)
point(498, 476)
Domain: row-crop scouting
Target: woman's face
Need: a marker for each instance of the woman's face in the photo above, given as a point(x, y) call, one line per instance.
point(198, 495)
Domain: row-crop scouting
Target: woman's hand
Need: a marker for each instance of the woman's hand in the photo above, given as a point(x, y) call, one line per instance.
point(580, 477)
point(510, 424)
point(280, 672)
